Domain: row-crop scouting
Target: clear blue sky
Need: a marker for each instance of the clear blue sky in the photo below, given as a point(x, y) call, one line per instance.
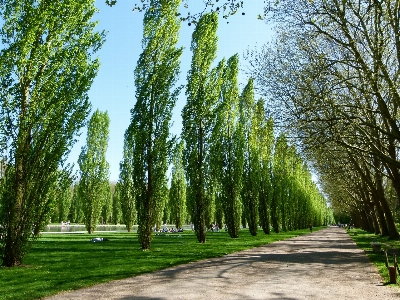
point(113, 89)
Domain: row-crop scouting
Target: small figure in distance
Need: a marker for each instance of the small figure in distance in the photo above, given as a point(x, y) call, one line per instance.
point(96, 240)
point(310, 227)
point(211, 227)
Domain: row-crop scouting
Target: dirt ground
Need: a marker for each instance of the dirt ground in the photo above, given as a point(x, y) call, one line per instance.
point(325, 264)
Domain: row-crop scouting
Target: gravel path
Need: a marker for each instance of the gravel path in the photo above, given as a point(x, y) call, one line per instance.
point(326, 264)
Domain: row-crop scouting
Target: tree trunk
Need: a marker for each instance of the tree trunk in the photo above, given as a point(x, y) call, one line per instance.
point(200, 214)
point(387, 213)
point(15, 232)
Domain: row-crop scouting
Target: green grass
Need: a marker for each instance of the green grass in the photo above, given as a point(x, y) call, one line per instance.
point(60, 262)
point(363, 239)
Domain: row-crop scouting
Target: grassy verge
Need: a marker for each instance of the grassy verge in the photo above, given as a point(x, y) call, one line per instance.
point(364, 240)
point(60, 262)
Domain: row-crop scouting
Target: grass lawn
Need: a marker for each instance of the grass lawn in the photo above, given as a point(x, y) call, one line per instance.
point(60, 262)
point(364, 239)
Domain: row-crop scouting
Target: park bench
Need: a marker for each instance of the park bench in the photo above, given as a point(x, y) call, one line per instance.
point(378, 247)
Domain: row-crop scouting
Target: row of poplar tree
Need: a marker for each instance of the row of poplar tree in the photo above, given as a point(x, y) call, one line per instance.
point(47, 65)
point(227, 167)
point(263, 202)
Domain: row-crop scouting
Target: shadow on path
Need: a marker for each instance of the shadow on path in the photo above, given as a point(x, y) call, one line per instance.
point(326, 264)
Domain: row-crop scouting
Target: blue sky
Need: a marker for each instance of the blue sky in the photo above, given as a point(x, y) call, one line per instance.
point(113, 89)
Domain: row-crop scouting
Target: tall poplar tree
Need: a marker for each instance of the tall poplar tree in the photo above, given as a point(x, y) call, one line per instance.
point(228, 135)
point(197, 119)
point(94, 187)
point(265, 144)
point(280, 161)
point(62, 194)
point(251, 169)
point(156, 74)
point(65, 202)
point(76, 206)
point(46, 70)
point(116, 204)
point(127, 189)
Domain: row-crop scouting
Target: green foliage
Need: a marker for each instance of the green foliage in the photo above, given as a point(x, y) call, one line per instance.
point(252, 166)
point(65, 199)
point(228, 139)
point(279, 186)
point(62, 194)
point(342, 218)
point(46, 70)
point(197, 120)
point(147, 136)
point(116, 204)
point(219, 209)
point(94, 188)
point(296, 202)
point(126, 188)
point(177, 193)
point(162, 209)
point(76, 206)
point(265, 144)
point(166, 215)
point(330, 73)
point(106, 211)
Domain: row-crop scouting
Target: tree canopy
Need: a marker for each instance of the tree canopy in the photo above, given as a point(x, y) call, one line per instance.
point(226, 8)
point(147, 137)
point(46, 70)
point(197, 119)
point(94, 187)
point(334, 68)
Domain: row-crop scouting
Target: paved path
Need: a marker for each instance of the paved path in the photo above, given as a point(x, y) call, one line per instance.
point(326, 264)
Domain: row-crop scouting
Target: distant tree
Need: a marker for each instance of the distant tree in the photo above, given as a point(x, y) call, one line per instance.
point(116, 204)
point(279, 182)
point(65, 204)
point(197, 121)
point(46, 70)
point(63, 193)
point(93, 186)
point(265, 144)
point(156, 74)
point(76, 206)
point(163, 213)
point(177, 193)
point(166, 214)
point(126, 188)
point(106, 211)
point(251, 169)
